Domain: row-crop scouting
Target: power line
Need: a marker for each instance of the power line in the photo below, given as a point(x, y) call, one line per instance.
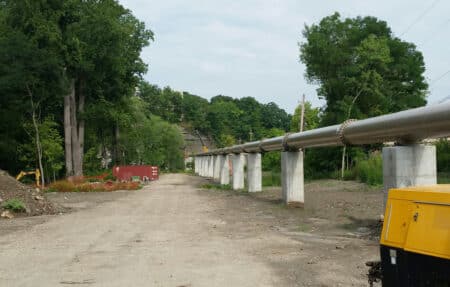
point(444, 100)
point(420, 17)
point(437, 79)
point(435, 32)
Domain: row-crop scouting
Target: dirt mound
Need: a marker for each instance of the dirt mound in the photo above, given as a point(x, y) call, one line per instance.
point(34, 200)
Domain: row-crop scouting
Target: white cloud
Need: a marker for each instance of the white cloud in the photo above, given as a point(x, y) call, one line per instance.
point(249, 48)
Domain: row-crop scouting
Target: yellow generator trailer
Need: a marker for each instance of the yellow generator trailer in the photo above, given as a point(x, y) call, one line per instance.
point(415, 241)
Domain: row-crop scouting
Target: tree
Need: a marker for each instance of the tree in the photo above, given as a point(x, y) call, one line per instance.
point(51, 150)
point(250, 124)
point(362, 70)
point(29, 67)
point(223, 117)
point(194, 110)
point(102, 41)
point(273, 116)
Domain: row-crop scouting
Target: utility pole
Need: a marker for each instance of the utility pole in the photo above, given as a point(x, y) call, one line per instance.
point(302, 114)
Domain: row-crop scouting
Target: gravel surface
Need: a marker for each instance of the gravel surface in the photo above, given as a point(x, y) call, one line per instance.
point(174, 233)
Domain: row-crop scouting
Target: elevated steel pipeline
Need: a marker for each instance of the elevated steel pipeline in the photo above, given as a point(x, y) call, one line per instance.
point(403, 127)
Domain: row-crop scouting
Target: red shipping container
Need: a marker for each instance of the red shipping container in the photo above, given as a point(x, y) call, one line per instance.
point(126, 172)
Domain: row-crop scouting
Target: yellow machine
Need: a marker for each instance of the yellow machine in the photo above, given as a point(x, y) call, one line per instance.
point(415, 241)
point(36, 173)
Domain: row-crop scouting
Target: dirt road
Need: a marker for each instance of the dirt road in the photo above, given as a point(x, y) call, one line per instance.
point(172, 233)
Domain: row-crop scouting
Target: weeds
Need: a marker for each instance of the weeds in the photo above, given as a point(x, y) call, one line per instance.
point(67, 186)
point(216, 186)
point(370, 170)
point(15, 205)
point(271, 178)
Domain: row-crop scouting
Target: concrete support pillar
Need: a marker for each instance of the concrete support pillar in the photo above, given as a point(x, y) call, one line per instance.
point(238, 171)
point(217, 167)
point(210, 166)
point(200, 167)
point(204, 165)
point(225, 170)
point(292, 183)
point(254, 172)
point(411, 165)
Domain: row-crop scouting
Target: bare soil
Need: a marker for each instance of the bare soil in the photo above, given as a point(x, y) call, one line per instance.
point(175, 233)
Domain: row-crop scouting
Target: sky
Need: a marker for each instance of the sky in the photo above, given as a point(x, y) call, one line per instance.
point(250, 48)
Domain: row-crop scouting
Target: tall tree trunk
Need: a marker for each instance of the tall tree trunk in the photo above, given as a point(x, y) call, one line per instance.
point(116, 144)
point(68, 131)
point(36, 136)
point(74, 134)
point(81, 101)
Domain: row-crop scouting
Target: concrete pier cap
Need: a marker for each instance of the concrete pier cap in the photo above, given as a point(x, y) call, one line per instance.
point(409, 165)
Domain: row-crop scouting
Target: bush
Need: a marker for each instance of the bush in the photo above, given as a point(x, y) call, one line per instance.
point(370, 170)
point(15, 205)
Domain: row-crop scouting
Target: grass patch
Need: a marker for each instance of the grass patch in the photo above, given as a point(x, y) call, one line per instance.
point(15, 205)
point(271, 178)
point(443, 177)
point(216, 186)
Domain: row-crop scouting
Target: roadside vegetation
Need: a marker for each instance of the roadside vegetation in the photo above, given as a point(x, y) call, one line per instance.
point(216, 186)
point(15, 205)
point(86, 186)
point(73, 106)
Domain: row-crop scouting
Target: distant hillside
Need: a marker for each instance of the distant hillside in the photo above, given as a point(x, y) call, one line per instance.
point(192, 142)
point(225, 120)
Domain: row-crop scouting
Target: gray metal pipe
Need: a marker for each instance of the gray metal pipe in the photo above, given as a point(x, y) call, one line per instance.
point(403, 127)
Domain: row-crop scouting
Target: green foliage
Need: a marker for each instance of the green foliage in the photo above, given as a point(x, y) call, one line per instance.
point(443, 178)
point(216, 186)
point(362, 69)
point(150, 140)
point(52, 147)
point(271, 161)
point(92, 162)
point(370, 170)
point(15, 205)
point(443, 155)
point(228, 121)
point(272, 178)
point(45, 45)
point(311, 118)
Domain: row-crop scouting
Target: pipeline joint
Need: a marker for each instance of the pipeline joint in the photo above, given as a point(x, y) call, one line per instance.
point(285, 145)
point(341, 131)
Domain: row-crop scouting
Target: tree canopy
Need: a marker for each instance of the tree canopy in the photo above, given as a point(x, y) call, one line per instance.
point(361, 68)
